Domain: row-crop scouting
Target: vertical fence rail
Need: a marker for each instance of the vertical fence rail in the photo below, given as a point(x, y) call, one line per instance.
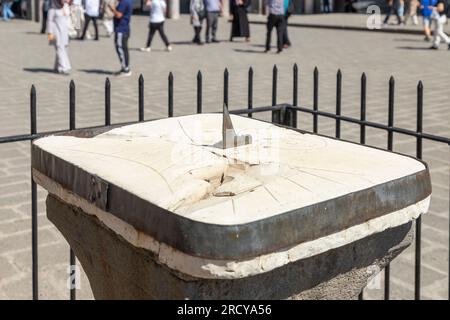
point(199, 92)
point(316, 100)
point(362, 129)
point(34, 222)
point(419, 219)
point(250, 92)
point(141, 98)
point(276, 115)
point(225, 87)
point(390, 147)
point(107, 102)
point(338, 103)
point(170, 96)
point(72, 261)
point(295, 94)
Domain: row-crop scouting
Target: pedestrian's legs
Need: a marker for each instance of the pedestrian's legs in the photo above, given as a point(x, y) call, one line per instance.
point(270, 24)
point(163, 34)
point(286, 40)
point(108, 24)
point(209, 21)
point(94, 20)
point(197, 31)
point(281, 27)
point(440, 22)
point(151, 33)
point(214, 25)
point(44, 20)
point(86, 25)
point(388, 15)
point(62, 59)
point(10, 13)
point(121, 42)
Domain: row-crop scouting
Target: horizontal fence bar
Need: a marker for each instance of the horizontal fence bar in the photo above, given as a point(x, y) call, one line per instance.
point(26, 137)
point(374, 125)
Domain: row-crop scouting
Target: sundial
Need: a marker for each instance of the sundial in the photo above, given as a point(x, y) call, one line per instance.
point(225, 198)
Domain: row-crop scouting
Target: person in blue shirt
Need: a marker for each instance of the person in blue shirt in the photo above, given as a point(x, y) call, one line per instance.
point(426, 8)
point(122, 18)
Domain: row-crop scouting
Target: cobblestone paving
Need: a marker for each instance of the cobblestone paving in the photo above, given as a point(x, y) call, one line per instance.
point(26, 59)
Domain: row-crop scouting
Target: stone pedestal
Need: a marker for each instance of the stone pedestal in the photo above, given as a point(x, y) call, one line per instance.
point(164, 210)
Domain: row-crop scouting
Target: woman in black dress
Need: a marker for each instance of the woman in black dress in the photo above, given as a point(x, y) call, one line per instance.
point(240, 26)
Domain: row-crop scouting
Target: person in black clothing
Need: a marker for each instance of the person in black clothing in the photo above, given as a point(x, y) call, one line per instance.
point(326, 6)
point(240, 26)
point(277, 19)
point(92, 12)
point(392, 8)
point(45, 6)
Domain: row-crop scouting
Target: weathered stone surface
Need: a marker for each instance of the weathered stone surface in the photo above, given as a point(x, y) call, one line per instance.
point(118, 270)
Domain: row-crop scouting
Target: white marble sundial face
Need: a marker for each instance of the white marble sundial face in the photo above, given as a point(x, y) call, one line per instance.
point(174, 164)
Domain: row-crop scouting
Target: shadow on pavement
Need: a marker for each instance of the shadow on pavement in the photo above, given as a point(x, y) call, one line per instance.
point(97, 71)
point(35, 33)
point(40, 70)
point(414, 48)
point(249, 51)
point(409, 40)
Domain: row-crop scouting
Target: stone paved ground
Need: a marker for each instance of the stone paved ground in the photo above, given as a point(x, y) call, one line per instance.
point(26, 59)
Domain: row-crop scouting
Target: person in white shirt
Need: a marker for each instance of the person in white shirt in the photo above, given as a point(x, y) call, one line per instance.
point(157, 17)
point(77, 19)
point(92, 12)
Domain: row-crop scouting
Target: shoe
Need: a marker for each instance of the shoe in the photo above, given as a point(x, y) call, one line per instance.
point(279, 51)
point(207, 41)
point(267, 51)
point(169, 48)
point(449, 47)
point(146, 49)
point(434, 47)
point(215, 41)
point(124, 73)
point(64, 72)
point(427, 38)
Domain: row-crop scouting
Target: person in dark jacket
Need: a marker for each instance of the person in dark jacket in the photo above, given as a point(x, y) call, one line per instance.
point(45, 7)
point(240, 26)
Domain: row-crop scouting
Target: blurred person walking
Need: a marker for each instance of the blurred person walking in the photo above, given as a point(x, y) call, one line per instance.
point(439, 15)
point(122, 17)
point(45, 7)
point(326, 6)
point(6, 9)
point(77, 18)
point(198, 14)
point(157, 17)
point(58, 33)
point(92, 12)
point(426, 7)
point(413, 5)
point(277, 19)
point(239, 26)
point(108, 16)
point(213, 9)
point(392, 9)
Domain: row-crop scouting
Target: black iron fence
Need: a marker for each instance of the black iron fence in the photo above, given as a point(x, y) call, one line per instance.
point(284, 114)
